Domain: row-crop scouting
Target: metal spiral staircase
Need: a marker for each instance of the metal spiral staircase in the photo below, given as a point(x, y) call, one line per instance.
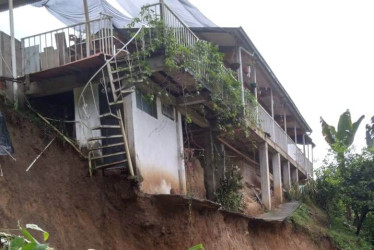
point(107, 142)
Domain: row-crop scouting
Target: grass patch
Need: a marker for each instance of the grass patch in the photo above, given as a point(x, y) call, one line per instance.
point(315, 222)
point(345, 238)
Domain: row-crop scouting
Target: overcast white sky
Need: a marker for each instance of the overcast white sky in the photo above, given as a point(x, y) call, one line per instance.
point(321, 51)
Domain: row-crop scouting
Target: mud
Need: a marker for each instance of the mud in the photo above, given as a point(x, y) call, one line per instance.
point(106, 213)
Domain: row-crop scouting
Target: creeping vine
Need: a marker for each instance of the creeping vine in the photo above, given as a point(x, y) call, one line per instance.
point(204, 62)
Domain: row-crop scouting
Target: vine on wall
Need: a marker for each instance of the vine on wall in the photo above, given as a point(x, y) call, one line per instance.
point(205, 63)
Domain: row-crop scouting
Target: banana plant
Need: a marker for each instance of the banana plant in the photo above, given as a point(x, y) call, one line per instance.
point(340, 140)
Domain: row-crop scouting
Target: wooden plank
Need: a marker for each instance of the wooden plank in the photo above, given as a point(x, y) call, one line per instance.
point(245, 157)
point(32, 60)
point(194, 116)
point(192, 100)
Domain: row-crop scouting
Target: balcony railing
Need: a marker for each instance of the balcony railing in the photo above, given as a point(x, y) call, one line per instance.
point(62, 46)
point(280, 137)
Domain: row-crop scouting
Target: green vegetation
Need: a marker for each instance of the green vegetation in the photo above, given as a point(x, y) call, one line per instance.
point(344, 186)
point(228, 193)
point(314, 221)
point(341, 139)
point(205, 63)
point(24, 242)
point(197, 247)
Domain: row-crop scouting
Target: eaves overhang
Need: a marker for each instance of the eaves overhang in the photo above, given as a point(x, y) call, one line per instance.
point(246, 43)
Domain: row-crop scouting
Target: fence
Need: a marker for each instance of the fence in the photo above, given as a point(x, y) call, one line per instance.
point(62, 46)
point(280, 137)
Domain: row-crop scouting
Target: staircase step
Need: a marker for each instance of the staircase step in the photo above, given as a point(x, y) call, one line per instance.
point(110, 164)
point(128, 77)
point(105, 137)
point(108, 146)
point(125, 58)
point(106, 156)
point(119, 69)
point(121, 78)
point(108, 114)
point(115, 168)
point(128, 68)
point(106, 127)
point(116, 103)
point(125, 91)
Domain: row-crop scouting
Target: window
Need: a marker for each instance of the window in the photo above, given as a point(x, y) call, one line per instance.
point(148, 105)
point(168, 110)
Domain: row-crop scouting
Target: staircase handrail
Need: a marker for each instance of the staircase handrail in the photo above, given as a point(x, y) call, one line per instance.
point(107, 62)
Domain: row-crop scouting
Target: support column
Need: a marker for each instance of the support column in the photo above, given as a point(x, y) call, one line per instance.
point(13, 53)
point(209, 170)
point(286, 172)
point(304, 150)
point(272, 111)
point(277, 177)
point(265, 178)
point(256, 96)
point(294, 175)
point(88, 28)
point(180, 146)
point(240, 72)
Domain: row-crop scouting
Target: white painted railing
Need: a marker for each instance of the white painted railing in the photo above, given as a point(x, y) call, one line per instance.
point(173, 24)
point(62, 46)
point(280, 137)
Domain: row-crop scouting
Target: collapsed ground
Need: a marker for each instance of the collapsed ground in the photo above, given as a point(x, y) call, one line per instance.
point(81, 212)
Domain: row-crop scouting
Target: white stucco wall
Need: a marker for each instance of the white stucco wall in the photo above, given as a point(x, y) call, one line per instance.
point(157, 148)
point(88, 119)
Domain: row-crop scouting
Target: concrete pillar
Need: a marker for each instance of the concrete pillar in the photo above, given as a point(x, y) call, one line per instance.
point(265, 178)
point(272, 110)
point(286, 171)
point(294, 175)
point(209, 169)
point(277, 177)
point(13, 53)
point(181, 163)
point(256, 95)
point(240, 72)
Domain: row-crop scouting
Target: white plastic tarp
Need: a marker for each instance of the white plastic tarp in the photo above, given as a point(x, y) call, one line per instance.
point(182, 8)
point(72, 11)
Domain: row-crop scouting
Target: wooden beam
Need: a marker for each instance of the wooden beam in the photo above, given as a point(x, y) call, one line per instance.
point(194, 116)
point(192, 100)
point(55, 85)
point(245, 157)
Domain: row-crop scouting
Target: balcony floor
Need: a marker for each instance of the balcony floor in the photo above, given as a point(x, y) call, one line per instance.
point(88, 63)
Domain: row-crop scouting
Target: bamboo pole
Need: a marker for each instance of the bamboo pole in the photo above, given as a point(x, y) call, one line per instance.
point(6, 151)
point(126, 143)
point(245, 157)
point(32, 163)
point(56, 129)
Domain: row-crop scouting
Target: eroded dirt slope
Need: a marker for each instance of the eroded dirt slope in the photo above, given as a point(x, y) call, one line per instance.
point(103, 213)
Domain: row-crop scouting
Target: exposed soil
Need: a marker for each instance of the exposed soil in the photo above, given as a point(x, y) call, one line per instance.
point(105, 213)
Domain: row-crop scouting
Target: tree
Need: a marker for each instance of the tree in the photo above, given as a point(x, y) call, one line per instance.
point(357, 186)
point(370, 134)
point(340, 140)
